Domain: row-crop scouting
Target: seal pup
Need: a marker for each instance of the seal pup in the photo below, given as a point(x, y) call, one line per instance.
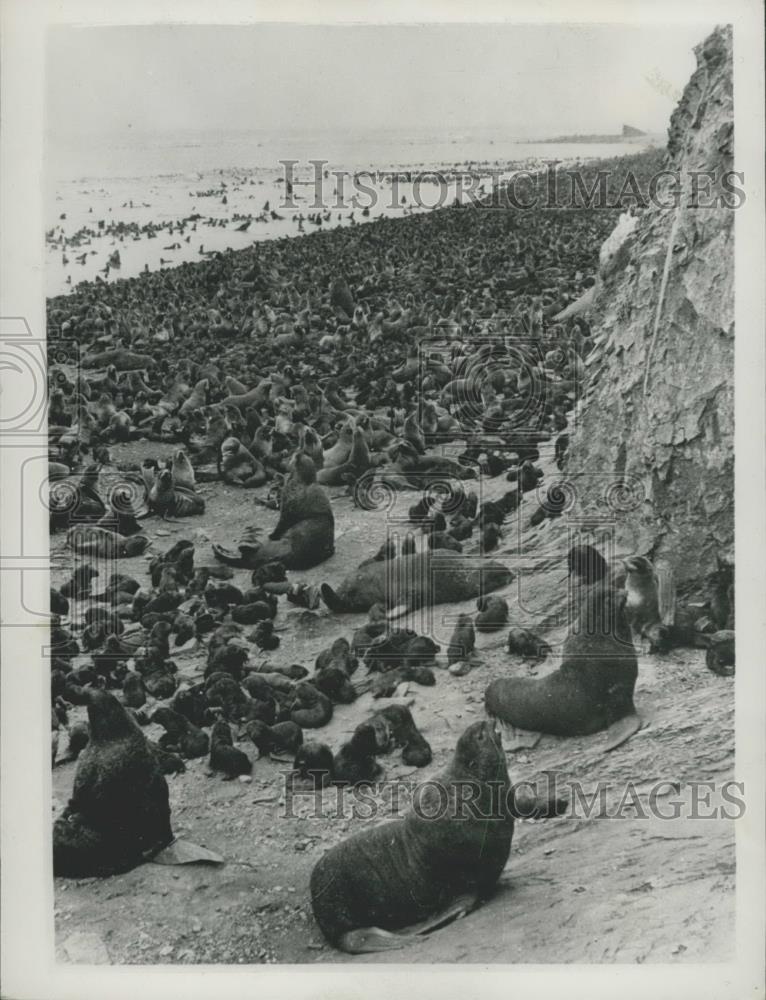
point(224, 756)
point(430, 867)
point(407, 583)
point(314, 763)
point(642, 607)
point(492, 613)
point(591, 690)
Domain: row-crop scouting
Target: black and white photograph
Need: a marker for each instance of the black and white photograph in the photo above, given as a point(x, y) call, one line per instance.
point(371, 531)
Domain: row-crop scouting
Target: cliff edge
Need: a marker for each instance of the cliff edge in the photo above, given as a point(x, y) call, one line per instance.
point(658, 415)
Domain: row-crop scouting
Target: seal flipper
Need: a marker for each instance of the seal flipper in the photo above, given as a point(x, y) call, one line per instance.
point(372, 939)
point(183, 852)
point(456, 909)
point(518, 739)
point(365, 940)
point(331, 599)
point(621, 731)
point(399, 612)
point(227, 556)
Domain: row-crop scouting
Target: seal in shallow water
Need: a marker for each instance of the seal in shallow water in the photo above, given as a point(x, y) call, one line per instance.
point(593, 687)
point(417, 581)
point(447, 853)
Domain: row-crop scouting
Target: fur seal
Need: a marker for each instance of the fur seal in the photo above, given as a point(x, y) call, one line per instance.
point(314, 763)
point(305, 533)
point(642, 607)
point(420, 580)
point(238, 466)
point(340, 451)
point(355, 762)
point(224, 756)
point(396, 728)
point(523, 642)
point(358, 461)
point(493, 613)
point(100, 543)
point(720, 655)
point(182, 471)
point(310, 708)
point(284, 737)
point(166, 498)
point(463, 641)
point(181, 735)
point(591, 690)
point(119, 814)
point(434, 864)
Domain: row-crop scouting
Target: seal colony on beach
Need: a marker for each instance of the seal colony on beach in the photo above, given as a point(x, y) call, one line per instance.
point(288, 387)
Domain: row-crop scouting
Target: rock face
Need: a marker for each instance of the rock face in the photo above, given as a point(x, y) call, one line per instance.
point(658, 415)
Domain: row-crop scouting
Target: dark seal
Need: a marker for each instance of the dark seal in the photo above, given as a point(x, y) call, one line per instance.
point(305, 533)
point(591, 690)
point(118, 815)
point(445, 855)
point(417, 581)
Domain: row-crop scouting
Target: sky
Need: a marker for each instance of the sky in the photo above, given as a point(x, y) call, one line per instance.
point(526, 80)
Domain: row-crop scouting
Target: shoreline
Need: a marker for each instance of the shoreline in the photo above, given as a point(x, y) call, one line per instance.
point(174, 224)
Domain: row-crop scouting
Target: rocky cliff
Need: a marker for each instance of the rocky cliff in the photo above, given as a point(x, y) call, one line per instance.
point(658, 416)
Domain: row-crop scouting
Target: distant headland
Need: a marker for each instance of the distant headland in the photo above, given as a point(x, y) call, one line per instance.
point(628, 132)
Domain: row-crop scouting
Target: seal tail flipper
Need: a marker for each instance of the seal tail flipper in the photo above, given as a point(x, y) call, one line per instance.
point(621, 731)
point(398, 612)
point(371, 939)
point(458, 908)
point(513, 737)
point(227, 556)
point(331, 599)
point(183, 852)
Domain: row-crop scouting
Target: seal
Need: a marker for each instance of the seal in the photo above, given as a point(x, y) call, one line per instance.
point(406, 583)
point(463, 641)
point(314, 763)
point(435, 864)
point(119, 813)
point(642, 607)
point(309, 707)
point(398, 729)
point(355, 763)
point(305, 533)
point(340, 451)
point(358, 461)
point(182, 471)
point(100, 543)
point(238, 466)
point(224, 756)
point(591, 690)
point(166, 498)
point(493, 614)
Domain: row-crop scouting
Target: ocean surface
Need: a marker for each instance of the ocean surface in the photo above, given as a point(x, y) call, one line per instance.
point(130, 193)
